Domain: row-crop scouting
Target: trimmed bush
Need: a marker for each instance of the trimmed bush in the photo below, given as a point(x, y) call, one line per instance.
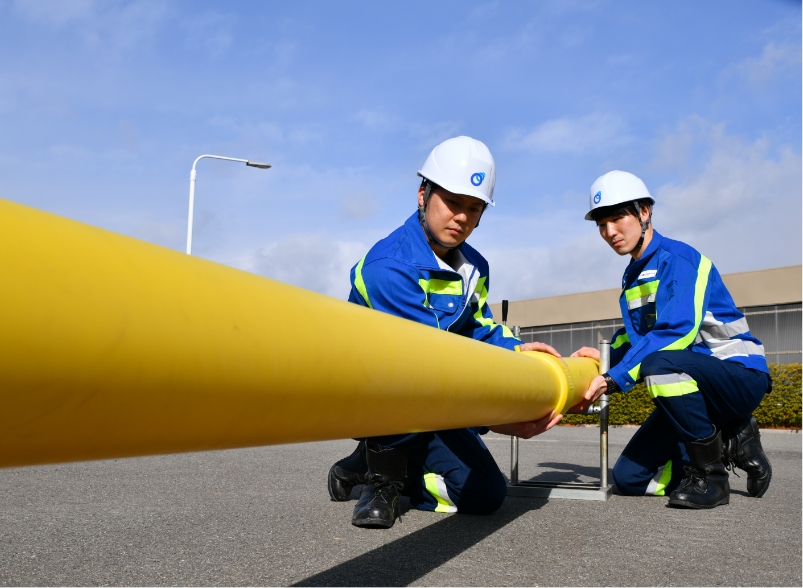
point(779, 410)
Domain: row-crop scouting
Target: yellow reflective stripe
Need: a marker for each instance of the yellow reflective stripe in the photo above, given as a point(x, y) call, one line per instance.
point(620, 340)
point(436, 486)
point(486, 322)
point(359, 283)
point(699, 297)
point(434, 286)
point(700, 285)
point(425, 287)
point(663, 481)
point(453, 287)
point(642, 290)
point(674, 389)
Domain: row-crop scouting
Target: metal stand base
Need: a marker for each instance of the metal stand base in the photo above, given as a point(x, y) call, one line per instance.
point(570, 490)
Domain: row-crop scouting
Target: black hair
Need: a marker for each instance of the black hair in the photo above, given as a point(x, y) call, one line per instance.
point(621, 209)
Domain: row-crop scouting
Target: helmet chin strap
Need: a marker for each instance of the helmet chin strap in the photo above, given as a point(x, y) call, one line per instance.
point(644, 226)
point(422, 218)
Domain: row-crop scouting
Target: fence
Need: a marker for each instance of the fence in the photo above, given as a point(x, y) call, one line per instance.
point(778, 327)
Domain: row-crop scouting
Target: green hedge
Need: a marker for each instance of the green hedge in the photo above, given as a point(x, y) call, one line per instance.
point(781, 409)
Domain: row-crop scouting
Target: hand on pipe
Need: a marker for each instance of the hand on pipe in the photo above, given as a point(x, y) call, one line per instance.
point(597, 388)
point(587, 352)
point(536, 346)
point(531, 428)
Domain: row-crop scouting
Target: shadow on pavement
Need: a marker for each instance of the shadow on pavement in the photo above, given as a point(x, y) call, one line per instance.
point(565, 472)
point(409, 558)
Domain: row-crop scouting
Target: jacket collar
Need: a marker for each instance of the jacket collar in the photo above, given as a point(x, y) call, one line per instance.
point(638, 264)
point(655, 243)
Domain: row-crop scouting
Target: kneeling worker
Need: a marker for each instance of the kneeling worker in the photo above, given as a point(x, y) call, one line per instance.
point(424, 271)
point(685, 337)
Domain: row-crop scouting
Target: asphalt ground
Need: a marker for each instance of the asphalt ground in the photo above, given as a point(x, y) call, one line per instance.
point(263, 517)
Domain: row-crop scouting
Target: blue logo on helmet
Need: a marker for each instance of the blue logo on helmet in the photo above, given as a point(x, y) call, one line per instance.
point(477, 178)
point(597, 197)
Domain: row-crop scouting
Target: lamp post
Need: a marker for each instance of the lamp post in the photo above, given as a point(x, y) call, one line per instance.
point(193, 175)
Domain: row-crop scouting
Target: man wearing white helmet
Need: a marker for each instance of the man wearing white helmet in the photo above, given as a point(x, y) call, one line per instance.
point(426, 272)
point(686, 339)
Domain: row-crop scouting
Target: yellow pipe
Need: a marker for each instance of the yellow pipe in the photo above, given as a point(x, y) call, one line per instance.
point(112, 347)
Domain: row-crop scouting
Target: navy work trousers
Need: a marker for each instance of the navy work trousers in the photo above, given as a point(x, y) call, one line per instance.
point(694, 395)
point(450, 471)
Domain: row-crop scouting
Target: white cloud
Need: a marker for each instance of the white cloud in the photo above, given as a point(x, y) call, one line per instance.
point(55, 13)
point(210, 31)
point(359, 206)
point(581, 264)
point(310, 261)
point(111, 25)
point(772, 61)
point(128, 134)
point(741, 208)
point(68, 151)
point(571, 135)
point(428, 135)
point(377, 120)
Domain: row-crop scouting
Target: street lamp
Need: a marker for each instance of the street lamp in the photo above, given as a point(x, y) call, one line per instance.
point(193, 175)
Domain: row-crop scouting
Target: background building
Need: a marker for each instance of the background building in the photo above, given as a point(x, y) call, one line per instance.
point(770, 299)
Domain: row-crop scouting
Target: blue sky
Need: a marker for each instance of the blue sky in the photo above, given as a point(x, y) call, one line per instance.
point(105, 104)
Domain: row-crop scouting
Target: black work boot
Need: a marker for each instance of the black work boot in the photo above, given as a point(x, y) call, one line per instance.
point(378, 505)
point(742, 449)
point(347, 473)
point(705, 483)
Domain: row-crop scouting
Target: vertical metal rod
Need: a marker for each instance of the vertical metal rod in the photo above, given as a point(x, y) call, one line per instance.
point(514, 441)
point(604, 366)
point(514, 460)
point(193, 175)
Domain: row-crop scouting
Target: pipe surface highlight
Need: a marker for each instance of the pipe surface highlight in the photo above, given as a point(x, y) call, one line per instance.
point(113, 347)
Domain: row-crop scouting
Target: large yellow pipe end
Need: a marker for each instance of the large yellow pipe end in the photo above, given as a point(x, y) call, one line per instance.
point(573, 376)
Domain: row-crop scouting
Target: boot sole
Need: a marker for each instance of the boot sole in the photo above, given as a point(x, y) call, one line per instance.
point(372, 523)
point(689, 504)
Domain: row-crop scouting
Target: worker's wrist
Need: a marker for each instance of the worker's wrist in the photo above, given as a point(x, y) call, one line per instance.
point(611, 383)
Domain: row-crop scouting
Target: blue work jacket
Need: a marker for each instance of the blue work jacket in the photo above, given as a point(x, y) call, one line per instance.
point(401, 276)
point(674, 298)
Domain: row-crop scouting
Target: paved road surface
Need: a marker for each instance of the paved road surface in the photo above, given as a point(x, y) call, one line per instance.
point(262, 516)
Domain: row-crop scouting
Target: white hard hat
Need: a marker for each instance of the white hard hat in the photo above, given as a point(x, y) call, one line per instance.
point(616, 187)
point(463, 166)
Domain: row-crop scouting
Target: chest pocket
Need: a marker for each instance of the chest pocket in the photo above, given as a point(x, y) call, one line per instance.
point(641, 305)
point(444, 296)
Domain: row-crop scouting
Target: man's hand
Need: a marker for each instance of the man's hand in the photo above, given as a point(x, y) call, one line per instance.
point(597, 388)
point(531, 428)
point(536, 346)
point(587, 352)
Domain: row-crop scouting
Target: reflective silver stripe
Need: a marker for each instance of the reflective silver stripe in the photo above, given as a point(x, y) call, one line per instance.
point(711, 328)
point(639, 302)
point(720, 338)
point(733, 348)
point(667, 379)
